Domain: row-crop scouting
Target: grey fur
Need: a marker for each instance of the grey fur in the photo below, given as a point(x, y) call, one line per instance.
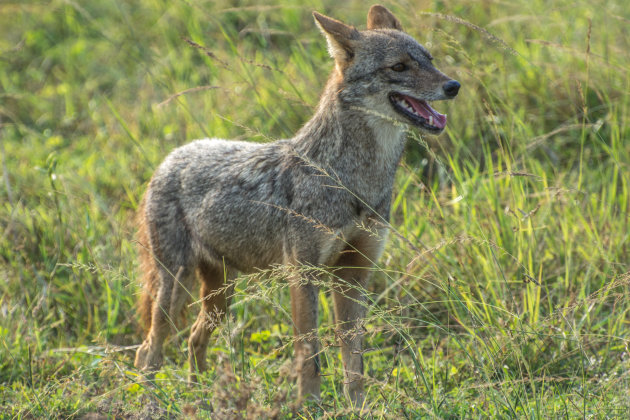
point(297, 201)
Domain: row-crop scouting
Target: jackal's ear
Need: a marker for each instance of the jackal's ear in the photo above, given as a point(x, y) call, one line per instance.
point(379, 17)
point(341, 38)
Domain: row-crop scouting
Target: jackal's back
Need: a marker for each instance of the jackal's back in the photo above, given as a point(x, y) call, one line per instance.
point(229, 200)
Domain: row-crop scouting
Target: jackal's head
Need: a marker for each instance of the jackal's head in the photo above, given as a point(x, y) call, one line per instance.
point(386, 71)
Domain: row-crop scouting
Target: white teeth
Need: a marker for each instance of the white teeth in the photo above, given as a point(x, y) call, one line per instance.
point(406, 105)
point(431, 120)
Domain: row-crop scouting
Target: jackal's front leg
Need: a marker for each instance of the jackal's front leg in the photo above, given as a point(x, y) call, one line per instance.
point(353, 269)
point(350, 310)
point(304, 300)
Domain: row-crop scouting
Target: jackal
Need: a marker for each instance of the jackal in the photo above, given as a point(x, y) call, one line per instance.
point(319, 199)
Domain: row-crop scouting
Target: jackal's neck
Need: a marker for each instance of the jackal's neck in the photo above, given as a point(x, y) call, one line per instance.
point(358, 145)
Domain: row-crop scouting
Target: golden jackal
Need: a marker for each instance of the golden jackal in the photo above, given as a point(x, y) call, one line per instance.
point(216, 205)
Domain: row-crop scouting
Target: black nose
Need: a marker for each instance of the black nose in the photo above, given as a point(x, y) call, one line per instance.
point(451, 88)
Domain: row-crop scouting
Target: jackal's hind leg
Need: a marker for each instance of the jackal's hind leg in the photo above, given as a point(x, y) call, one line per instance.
point(167, 305)
point(213, 309)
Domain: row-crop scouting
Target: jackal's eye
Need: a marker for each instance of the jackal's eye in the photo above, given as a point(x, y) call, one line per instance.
point(399, 67)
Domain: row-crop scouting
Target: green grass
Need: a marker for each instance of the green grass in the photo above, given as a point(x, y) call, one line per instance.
point(503, 291)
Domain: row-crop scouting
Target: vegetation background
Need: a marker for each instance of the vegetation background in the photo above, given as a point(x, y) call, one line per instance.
point(504, 289)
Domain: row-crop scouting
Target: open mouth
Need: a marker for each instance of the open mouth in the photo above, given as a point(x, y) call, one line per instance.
point(418, 111)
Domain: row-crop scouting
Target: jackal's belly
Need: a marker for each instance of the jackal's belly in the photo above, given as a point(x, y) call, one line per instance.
point(244, 244)
point(240, 229)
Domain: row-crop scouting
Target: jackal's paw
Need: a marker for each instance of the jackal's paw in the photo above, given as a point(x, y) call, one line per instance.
point(197, 366)
point(147, 359)
point(357, 397)
point(309, 390)
point(193, 378)
point(354, 390)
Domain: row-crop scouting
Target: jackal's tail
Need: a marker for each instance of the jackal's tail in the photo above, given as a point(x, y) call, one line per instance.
point(148, 270)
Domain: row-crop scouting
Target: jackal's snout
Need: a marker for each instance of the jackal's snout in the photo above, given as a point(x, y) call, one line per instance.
point(451, 88)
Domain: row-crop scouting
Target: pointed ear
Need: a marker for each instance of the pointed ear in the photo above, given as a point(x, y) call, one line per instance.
point(341, 38)
point(379, 17)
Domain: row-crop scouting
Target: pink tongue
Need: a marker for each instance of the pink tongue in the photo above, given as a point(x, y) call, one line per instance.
point(424, 109)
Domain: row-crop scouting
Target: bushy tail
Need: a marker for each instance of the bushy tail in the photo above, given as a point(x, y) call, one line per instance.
point(148, 269)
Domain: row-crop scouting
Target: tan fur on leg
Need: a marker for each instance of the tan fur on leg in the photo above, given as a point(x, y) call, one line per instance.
point(349, 301)
point(168, 304)
point(304, 300)
point(213, 310)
